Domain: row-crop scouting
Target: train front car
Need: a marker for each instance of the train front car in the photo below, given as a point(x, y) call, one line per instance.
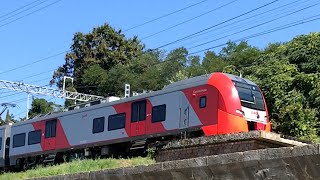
point(241, 106)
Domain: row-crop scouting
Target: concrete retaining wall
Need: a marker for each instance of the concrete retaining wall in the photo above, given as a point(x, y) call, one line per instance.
point(222, 144)
point(301, 162)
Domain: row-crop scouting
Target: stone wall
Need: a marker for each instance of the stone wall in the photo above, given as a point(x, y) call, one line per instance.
point(286, 163)
point(222, 144)
point(212, 149)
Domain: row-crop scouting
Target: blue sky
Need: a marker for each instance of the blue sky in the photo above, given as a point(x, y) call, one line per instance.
point(50, 30)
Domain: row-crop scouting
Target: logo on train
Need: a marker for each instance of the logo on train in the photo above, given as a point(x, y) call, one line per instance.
point(255, 113)
point(199, 91)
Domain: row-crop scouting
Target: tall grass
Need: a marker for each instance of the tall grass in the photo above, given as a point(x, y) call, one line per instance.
point(76, 167)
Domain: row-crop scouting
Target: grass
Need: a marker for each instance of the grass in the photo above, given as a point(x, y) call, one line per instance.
point(76, 167)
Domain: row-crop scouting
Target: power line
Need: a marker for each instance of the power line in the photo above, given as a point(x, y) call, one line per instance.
point(34, 62)
point(279, 28)
point(203, 30)
point(19, 9)
point(285, 6)
point(252, 27)
point(30, 13)
point(183, 22)
point(23, 11)
point(51, 70)
point(10, 95)
point(166, 15)
point(41, 80)
point(18, 100)
point(20, 113)
point(296, 23)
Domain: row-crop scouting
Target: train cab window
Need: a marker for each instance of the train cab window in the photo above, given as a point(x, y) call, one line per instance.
point(158, 113)
point(98, 125)
point(51, 127)
point(250, 96)
point(0, 143)
point(203, 102)
point(34, 137)
point(116, 121)
point(138, 111)
point(19, 140)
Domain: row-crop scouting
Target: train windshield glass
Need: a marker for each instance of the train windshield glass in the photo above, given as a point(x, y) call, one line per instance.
point(250, 96)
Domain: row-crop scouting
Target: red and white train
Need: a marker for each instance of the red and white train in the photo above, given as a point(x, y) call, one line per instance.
point(212, 104)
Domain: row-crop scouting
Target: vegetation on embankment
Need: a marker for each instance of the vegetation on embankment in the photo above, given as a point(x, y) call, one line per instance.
point(76, 167)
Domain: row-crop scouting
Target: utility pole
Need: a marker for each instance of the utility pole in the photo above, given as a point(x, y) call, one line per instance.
point(27, 115)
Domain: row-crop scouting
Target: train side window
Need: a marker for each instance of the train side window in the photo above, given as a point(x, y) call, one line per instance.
point(34, 137)
point(98, 125)
point(51, 127)
point(19, 140)
point(0, 143)
point(203, 102)
point(116, 121)
point(158, 113)
point(138, 111)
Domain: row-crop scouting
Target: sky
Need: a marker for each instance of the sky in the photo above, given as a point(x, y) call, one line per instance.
point(32, 30)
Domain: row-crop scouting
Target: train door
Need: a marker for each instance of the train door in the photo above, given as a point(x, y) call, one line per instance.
point(6, 153)
point(184, 112)
point(50, 134)
point(138, 118)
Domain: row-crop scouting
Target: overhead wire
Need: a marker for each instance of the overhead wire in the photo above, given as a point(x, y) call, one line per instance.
point(4, 15)
point(286, 26)
point(25, 10)
point(255, 26)
point(165, 15)
point(279, 28)
point(213, 26)
point(188, 20)
point(44, 72)
point(28, 14)
point(34, 62)
point(232, 26)
point(20, 113)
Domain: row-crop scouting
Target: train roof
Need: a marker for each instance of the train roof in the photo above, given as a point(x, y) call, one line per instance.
point(4, 126)
point(239, 79)
point(190, 81)
point(179, 85)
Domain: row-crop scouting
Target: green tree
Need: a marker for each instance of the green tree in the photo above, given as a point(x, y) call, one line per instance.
point(9, 118)
point(291, 90)
point(175, 61)
point(213, 63)
point(105, 47)
point(194, 67)
point(1, 121)
point(40, 106)
point(239, 55)
point(304, 51)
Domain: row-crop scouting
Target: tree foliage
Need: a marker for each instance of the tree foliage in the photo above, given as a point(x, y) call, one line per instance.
point(41, 106)
point(105, 47)
point(288, 75)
